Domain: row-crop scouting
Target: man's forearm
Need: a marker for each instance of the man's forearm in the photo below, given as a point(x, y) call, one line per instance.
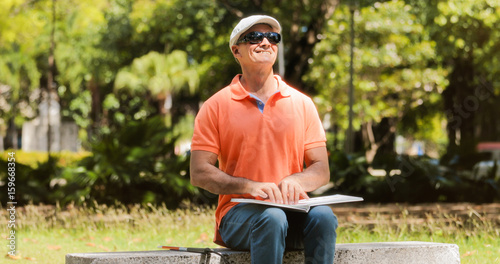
point(317, 172)
point(313, 177)
point(205, 175)
point(218, 182)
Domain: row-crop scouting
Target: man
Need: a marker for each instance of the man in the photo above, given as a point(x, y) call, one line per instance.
point(262, 131)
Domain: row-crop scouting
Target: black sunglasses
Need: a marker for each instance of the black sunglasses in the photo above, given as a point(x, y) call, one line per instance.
point(256, 37)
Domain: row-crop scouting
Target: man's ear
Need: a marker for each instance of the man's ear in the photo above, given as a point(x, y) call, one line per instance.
point(235, 50)
point(236, 53)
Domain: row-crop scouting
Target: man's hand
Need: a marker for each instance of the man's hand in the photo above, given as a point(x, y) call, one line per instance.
point(316, 174)
point(266, 190)
point(292, 191)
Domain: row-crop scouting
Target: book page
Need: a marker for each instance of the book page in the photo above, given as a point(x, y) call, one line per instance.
point(295, 207)
point(330, 199)
point(305, 204)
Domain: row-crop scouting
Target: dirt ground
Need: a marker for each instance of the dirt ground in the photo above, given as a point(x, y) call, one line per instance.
point(352, 213)
point(371, 214)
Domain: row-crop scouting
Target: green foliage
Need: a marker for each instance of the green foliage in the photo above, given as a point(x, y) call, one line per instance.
point(349, 175)
point(119, 60)
point(408, 180)
point(131, 162)
point(470, 50)
point(393, 63)
point(61, 231)
point(33, 184)
point(34, 158)
point(196, 27)
point(134, 164)
point(158, 73)
point(37, 175)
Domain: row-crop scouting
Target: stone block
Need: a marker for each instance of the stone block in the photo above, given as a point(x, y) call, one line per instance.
point(410, 252)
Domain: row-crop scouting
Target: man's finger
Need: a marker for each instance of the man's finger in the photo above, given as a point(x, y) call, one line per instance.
point(263, 195)
point(278, 194)
point(284, 192)
point(291, 193)
point(270, 194)
point(304, 195)
point(296, 196)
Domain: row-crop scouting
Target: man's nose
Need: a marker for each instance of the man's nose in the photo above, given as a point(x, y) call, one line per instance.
point(265, 42)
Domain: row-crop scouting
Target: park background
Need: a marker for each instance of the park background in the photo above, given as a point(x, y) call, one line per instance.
point(98, 99)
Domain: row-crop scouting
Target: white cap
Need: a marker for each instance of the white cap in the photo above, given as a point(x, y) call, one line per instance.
point(248, 22)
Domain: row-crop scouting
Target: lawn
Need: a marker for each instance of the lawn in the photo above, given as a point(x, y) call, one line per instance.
point(45, 234)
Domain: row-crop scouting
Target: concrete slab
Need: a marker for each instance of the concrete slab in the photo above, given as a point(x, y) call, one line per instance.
point(411, 252)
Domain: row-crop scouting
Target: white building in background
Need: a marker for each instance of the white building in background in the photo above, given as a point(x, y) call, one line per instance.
point(409, 147)
point(64, 135)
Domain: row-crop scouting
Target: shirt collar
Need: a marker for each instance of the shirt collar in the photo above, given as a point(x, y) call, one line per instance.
point(239, 93)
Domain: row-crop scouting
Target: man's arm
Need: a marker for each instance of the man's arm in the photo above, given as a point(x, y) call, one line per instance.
point(316, 174)
point(206, 175)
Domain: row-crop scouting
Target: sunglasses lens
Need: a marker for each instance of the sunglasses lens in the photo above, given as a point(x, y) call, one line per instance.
point(273, 37)
point(256, 37)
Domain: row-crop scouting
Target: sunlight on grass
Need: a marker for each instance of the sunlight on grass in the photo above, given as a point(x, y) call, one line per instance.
point(46, 234)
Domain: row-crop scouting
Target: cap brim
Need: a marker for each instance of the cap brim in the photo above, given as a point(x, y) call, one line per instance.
point(248, 22)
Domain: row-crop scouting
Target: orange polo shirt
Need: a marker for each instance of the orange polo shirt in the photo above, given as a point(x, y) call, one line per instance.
point(264, 147)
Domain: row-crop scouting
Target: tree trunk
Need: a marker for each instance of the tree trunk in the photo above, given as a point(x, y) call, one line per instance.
point(10, 141)
point(461, 106)
point(50, 76)
point(301, 44)
point(95, 112)
point(380, 138)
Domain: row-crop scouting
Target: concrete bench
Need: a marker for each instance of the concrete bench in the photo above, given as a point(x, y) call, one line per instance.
point(357, 253)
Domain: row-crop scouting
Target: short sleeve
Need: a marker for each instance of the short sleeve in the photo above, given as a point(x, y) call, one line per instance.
point(206, 129)
point(314, 131)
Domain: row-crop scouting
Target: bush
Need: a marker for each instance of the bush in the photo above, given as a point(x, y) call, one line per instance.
point(416, 179)
point(349, 174)
point(33, 159)
point(134, 164)
point(34, 182)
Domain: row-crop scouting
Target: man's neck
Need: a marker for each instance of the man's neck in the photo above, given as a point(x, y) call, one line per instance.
point(261, 83)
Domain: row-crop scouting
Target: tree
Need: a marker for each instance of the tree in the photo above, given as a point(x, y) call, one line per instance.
point(394, 73)
point(158, 76)
point(302, 22)
point(470, 49)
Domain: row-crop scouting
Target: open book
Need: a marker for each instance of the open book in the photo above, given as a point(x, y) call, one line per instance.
point(305, 204)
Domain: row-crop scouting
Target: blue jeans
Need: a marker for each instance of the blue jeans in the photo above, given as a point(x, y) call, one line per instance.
point(268, 231)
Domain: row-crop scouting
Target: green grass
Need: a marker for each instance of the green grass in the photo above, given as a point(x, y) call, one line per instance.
point(47, 234)
point(477, 240)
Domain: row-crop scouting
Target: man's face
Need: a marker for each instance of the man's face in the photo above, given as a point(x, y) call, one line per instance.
point(263, 52)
